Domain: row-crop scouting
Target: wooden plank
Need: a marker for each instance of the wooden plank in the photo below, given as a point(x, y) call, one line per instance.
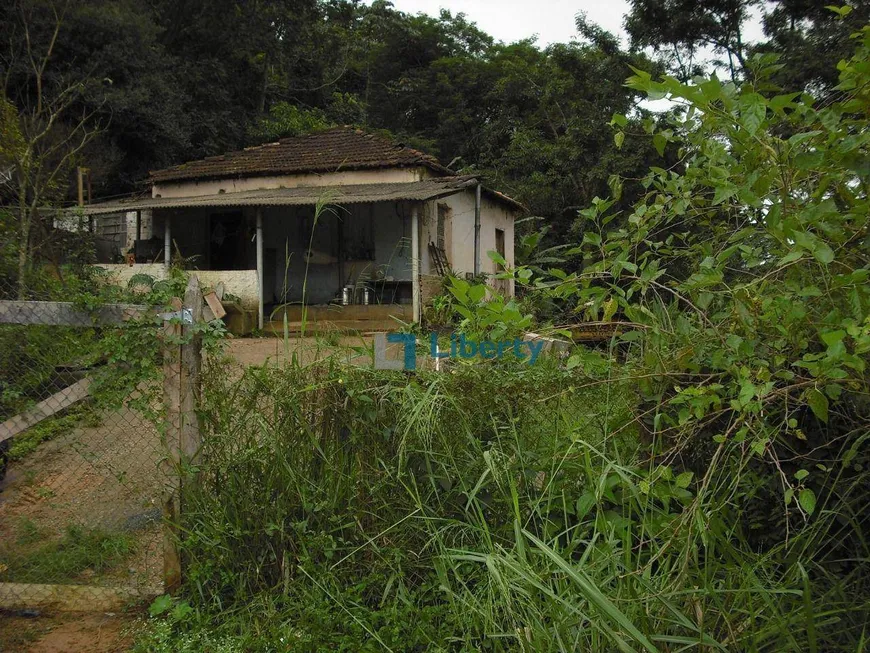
point(181, 385)
point(191, 364)
point(215, 305)
point(170, 464)
point(69, 598)
point(45, 408)
point(66, 313)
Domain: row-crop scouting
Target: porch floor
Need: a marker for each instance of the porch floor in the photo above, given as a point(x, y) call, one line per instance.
point(333, 317)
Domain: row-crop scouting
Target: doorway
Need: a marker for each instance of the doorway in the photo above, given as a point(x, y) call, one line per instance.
point(500, 284)
point(227, 241)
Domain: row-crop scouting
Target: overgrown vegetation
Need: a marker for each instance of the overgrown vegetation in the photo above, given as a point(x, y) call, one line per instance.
point(62, 560)
point(37, 361)
point(356, 501)
point(702, 483)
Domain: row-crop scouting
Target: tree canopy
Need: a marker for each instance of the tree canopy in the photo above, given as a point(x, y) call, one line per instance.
point(168, 82)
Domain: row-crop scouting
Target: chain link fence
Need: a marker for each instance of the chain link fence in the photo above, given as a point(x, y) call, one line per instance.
point(85, 468)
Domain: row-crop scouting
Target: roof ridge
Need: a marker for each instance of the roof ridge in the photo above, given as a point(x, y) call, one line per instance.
point(341, 147)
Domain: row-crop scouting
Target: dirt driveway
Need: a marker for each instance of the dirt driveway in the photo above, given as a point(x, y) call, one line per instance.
point(68, 633)
point(259, 351)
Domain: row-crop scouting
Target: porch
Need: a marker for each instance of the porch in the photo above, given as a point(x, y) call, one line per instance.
point(350, 254)
point(350, 266)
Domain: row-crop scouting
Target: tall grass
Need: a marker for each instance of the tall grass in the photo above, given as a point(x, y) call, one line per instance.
point(498, 507)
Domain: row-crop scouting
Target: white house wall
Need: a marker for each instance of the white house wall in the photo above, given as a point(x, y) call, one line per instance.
point(234, 185)
point(459, 235)
point(241, 283)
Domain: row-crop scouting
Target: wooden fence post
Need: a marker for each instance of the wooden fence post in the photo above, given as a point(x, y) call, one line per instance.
point(182, 361)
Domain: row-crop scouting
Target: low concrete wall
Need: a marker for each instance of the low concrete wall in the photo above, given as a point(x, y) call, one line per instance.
point(121, 273)
point(241, 283)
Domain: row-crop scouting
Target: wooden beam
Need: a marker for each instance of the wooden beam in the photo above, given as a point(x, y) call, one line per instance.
point(170, 464)
point(181, 387)
point(45, 409)
point(217, 309)
point(67, 313)
point(69, 598)
point(260, 270)
point(191, 363)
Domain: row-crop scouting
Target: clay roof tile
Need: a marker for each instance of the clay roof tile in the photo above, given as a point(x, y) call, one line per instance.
point(339, 148)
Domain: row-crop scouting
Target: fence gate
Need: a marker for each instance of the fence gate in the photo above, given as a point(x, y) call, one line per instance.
point(90, 468)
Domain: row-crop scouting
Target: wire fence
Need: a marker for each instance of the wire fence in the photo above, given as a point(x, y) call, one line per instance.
point(88, 463)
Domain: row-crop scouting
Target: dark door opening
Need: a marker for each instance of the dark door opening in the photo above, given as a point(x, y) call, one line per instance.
point(227, 246)
point(500, 284)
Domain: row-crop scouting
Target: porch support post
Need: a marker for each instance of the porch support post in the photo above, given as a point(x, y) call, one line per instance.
point(477, 230)
point(415, 261)
point(260, 267)
point(167, 240)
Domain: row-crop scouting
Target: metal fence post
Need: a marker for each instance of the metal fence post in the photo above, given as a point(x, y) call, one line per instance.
point(181, 388)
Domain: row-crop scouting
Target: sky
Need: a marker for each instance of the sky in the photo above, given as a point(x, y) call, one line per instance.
point(551, 20)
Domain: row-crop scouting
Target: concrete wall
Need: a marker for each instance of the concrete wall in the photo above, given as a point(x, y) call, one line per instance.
point(120, 273)
point(459, 235)
point(241, 283)
point(146, 224)
point(233, 185)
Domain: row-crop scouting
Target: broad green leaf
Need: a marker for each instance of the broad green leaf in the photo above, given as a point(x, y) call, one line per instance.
point(818, 403)
point(476, 293)
point(660, 142)
point(495, 256)
point(807, 499)
point(823, 253)
point(753, 109)
point(723, 192)
point(160, 605)
point(747, 392)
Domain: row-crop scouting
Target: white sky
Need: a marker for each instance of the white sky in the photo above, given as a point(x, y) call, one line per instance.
point(551, 20)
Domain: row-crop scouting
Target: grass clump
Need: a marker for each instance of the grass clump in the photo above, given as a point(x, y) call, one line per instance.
point(27, 442)
point(79, 550)
point(497, 507)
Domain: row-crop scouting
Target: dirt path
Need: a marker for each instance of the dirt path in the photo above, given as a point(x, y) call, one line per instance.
point(102, 478)
point(68, 633)
point(258, 351)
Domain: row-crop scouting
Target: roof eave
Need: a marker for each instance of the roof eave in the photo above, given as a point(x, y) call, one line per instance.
point(183, 178)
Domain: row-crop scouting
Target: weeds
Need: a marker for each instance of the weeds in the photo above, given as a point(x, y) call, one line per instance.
point(75, 417)
point(78, 551)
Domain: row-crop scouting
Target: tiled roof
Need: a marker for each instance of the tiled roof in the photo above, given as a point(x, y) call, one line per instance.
point(309, 195)
point(333, 150)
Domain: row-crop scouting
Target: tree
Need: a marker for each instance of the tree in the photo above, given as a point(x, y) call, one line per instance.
point(745, 276)
point(678, 29)
point(809, 37)
point(43, 134)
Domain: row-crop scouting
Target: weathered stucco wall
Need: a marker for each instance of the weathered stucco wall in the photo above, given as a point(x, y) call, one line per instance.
point(120, 273)
point(241, 283)
point(233, 185)
point(459, 236)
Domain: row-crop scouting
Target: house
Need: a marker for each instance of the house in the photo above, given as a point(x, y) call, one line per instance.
point(355, 226)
